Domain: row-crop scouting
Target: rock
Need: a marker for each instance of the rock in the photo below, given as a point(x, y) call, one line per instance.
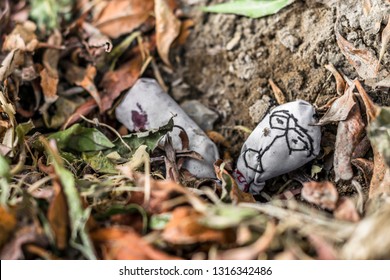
point(147, 106)
point(202, 115)
point(258, 110)
point(283, 141)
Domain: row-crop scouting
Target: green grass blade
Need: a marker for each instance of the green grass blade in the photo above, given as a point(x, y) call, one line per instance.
point(249, 8)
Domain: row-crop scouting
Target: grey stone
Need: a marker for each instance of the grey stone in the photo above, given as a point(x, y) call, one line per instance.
point(283, 141)
point(258, 110)
point(202, 115)
point(147, 106)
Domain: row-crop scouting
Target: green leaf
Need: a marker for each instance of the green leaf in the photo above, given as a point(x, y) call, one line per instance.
point(249, 8)
point(99, 162)
point(379, 133)
point(134, 141)
point(5, 176)
point(158, 222)
point(81, 139)
point(46, 13)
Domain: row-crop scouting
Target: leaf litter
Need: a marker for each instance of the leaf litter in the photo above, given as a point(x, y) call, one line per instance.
point(90, 192)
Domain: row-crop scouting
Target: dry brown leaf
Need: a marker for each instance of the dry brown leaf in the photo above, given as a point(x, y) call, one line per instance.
point(83, 110)
point(362, 60)
point(324, 250)
point(185, 31)
point(349, 134)
point(13, 249)
point(167, 29)
point(7, 225)
point(122, 243)
point(184, 228)
point(385, 41)
point(340, 82)
point(340, 108)
point(58, 216)
point(114, 82)
point(12, 61)
point(252, 251)
point(49, 75)
point(346, 210)
point(324, 194)
point(378, 176)
point(279, 95)
point(366, 167)
point(22, 37)
point(120, 17)
point(370, 108)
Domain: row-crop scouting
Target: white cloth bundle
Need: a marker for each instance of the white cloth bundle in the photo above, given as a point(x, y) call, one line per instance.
point(147, 106)
point(283, 141)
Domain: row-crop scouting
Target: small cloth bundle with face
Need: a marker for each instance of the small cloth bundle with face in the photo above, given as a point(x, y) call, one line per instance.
point(283, 141)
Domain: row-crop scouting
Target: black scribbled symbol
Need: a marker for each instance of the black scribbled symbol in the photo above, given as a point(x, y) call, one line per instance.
point(284, 125)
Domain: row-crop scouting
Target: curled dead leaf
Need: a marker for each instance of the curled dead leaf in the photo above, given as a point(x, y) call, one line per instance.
point(340, 108)
point(324, 194)
point(340, 83)
point(366, 167)
point(167, 29)
point(7, 225)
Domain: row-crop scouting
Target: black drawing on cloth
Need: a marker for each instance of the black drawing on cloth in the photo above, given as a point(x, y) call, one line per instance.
point(283, 125)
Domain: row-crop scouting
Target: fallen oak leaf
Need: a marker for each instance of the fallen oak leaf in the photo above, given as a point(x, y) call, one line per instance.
point(167, 29)
point(324, 194)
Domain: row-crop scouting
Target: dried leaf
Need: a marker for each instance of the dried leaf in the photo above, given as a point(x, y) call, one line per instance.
point(58, 216)
point(114, 82)
point(85, 78)
point(349, 134)
point(22, 37)
point(325, 251)
point(370, 108)
point(279, 96)
point(184, 228)
point(366, 167)
point(362, 60)
point(340, 108)
point(12, 61)
point(120, 17)
point(378, 132)
point(324, 194)
point(340, 82)
point(252, 251)
point(385, 41)
point(122, 243)
point(7, 225)
point(13, 249)
point(83, 110)
point(49, 75)
point(167, 29)
point(346, 210)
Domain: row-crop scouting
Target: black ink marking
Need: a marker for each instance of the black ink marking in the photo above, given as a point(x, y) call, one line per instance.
point(285, 126)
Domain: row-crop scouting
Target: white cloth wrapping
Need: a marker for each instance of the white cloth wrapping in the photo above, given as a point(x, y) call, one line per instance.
point(147, 106)
point(283, 141)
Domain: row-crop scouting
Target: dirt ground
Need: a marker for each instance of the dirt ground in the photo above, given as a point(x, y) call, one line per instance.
point(228, 59)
